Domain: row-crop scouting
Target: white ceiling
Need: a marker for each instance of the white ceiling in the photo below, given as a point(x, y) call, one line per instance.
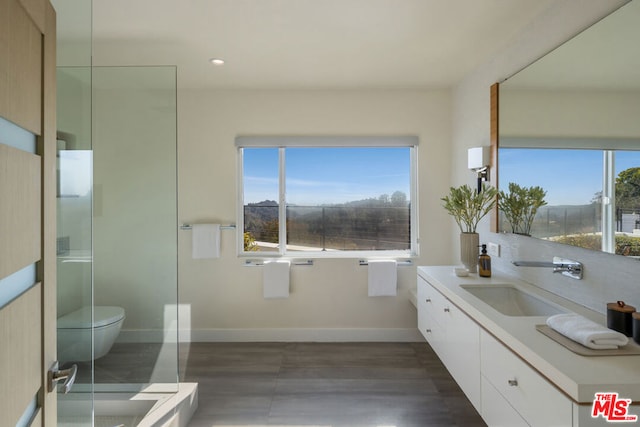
point(308, 43)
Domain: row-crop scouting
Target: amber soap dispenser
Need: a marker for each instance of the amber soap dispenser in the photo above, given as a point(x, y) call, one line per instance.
point(484, 263)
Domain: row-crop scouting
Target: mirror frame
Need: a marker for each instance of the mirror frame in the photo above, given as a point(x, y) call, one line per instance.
point(494, 139)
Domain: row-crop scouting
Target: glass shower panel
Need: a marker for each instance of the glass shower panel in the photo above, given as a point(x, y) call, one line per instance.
point(74, 207)
point(74, 240)
point(135, 224)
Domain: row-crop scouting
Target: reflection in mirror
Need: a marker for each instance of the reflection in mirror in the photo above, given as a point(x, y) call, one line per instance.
point(575, 213)
point(569, 124)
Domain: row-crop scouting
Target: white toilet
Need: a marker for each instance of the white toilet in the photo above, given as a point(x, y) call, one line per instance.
point(74, 333)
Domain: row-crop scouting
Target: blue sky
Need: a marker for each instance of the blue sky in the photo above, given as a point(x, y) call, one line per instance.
point(571, 177)
point(316, 176)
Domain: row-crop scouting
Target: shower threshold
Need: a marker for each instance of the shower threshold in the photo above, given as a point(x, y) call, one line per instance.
point(147, 408)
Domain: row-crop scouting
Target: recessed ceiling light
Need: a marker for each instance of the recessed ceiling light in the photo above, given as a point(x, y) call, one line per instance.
point(217, 61)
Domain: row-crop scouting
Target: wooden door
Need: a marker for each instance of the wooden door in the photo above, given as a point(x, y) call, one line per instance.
point(27, 211)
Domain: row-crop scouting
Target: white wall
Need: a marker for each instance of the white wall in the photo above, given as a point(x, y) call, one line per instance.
point(328, 300)
point(607, 277)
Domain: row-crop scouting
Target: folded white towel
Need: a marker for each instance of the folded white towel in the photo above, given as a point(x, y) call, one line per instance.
point(275, 279)
point(586, 332)
point(205, 241)
point(383, 278)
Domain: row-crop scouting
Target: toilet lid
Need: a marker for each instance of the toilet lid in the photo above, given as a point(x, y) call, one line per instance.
point(81, 318)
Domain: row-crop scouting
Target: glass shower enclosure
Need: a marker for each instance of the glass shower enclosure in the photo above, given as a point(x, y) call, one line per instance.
point(117, 231)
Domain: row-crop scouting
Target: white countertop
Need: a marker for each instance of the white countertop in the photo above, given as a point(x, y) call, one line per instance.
point(580, 377)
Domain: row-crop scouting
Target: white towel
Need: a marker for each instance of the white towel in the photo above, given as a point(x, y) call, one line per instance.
point(586, 332)
point(205, 241)
point(383, 278)
point(275, 279)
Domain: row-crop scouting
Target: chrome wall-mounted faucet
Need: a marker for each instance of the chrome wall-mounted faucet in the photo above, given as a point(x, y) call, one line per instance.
point(567, 267)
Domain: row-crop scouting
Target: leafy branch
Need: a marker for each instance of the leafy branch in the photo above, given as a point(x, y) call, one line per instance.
point(468, 207)
point(520, 206)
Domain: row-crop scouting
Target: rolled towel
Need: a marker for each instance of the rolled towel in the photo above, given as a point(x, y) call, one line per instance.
point(584, 331)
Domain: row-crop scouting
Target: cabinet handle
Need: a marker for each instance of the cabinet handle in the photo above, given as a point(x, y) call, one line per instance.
point(513, 383)
point(427, 300)
point(428, 331)
point(446, 310)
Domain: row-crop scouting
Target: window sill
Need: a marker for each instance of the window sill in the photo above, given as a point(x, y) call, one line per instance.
point(330, 255)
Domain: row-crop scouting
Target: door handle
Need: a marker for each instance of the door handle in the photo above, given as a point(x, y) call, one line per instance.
point(68, 375)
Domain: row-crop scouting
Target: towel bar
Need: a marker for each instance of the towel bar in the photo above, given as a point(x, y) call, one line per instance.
point(222, 227)
point(403, 263)
point(255, 263)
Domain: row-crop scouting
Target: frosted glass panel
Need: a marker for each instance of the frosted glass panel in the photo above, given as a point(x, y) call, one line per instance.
point(16, 284)
point(16, 137)
point(29, 412)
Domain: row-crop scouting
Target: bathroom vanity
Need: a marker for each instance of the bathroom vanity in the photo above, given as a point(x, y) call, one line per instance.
point(484, 331)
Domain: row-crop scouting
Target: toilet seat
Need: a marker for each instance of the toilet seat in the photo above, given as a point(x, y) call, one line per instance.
point(81, 318)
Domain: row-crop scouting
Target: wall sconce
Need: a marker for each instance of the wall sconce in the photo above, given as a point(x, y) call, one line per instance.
point(478, 160)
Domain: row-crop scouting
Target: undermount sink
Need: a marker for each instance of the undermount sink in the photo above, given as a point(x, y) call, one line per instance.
point(512, 301)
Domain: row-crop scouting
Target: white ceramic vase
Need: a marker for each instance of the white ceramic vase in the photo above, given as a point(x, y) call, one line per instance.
point(469, 252)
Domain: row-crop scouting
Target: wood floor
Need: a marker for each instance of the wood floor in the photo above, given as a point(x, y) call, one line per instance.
point(323, 384)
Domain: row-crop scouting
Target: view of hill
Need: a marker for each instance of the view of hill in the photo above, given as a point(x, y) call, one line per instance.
point(381, 223)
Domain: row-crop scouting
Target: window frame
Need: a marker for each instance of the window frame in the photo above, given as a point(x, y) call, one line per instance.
point(282, 143)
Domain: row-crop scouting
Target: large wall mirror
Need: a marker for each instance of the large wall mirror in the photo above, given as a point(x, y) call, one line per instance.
point(570, 124)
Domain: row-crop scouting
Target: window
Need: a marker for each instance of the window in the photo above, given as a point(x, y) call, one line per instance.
point(593, 195)
point(328, 197)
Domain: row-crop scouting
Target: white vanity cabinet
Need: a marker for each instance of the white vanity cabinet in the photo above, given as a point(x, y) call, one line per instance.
point(513, 374)
point(503, 388)
point(453, 336)
point(537, 401)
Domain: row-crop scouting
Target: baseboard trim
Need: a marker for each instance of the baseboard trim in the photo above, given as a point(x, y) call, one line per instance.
point(307, 335)
point(278, 335)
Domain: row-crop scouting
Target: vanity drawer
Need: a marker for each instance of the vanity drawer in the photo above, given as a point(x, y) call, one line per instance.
point(496, 411)
point(535, 399)
point(431, 329)
point(434, 303)
point(424, 306)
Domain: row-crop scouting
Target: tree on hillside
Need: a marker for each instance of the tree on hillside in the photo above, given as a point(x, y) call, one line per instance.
point(399, 199)
point(628, 188)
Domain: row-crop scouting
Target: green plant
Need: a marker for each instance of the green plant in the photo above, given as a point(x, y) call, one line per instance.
point(520, 206)
point(625, 245)
point(468, 207)
point(249, 242)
